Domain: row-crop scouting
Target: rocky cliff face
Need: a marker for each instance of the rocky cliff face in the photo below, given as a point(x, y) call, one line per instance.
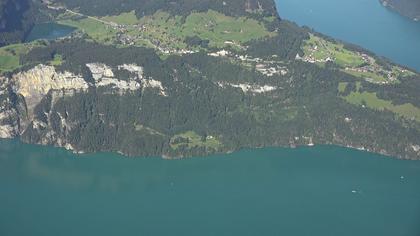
point(35, 84)
point(9, 117)
point(27, 99)
point(139, 102)
point(409, 8)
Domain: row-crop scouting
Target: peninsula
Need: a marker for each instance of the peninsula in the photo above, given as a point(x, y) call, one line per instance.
point(180, 78)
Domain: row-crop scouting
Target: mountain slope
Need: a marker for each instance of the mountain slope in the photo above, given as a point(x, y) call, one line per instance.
point(409, 8)
point(16, 19)
point(201, 77)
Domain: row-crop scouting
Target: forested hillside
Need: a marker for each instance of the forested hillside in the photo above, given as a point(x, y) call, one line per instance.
point(16, 19)
point(189, 77)
point(409, 8)
point(178, 7)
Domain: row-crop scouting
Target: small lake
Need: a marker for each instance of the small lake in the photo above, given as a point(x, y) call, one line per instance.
point(363, 22)
point(48, 31)
point(316, 191)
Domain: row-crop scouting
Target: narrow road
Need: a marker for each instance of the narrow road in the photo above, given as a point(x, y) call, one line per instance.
point(91, 17)
point(83, 15)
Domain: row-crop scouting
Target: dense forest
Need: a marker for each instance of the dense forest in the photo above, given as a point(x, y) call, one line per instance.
point(16, 19)
point(177, 7)
point(307, 106)
point(206, 97)
point(409, 8)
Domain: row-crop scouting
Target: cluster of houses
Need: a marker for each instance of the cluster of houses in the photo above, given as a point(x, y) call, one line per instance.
point(265, 67)
point(130, 39)
point(369, 66)
point(312, 59)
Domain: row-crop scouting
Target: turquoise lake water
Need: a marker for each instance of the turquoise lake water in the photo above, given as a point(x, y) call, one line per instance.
point(48, 31)
point(363, 22)
point(308, 191)
point(319, 191)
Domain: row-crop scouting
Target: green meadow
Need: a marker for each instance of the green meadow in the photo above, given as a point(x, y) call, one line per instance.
point(96, 30)
point(370, 100)
point(351, 62)
point(10, 55)
point(192, 140)
point(324, 49)
point(167, 31)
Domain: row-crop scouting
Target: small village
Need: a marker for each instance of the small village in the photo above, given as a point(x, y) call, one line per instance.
point(268, 68)
point(354, 63)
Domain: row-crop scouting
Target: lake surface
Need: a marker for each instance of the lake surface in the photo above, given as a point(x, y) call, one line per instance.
point(48, 31)
point(308, 191)
point(363, 22)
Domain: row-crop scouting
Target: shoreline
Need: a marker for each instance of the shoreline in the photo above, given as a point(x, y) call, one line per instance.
point(84, 154)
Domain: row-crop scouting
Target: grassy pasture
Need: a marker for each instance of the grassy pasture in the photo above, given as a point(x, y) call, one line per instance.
point(192, 140)
point(370, 100)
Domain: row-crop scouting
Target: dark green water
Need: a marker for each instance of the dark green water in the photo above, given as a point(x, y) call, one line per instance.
point(309, 191)
point(48, 31)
